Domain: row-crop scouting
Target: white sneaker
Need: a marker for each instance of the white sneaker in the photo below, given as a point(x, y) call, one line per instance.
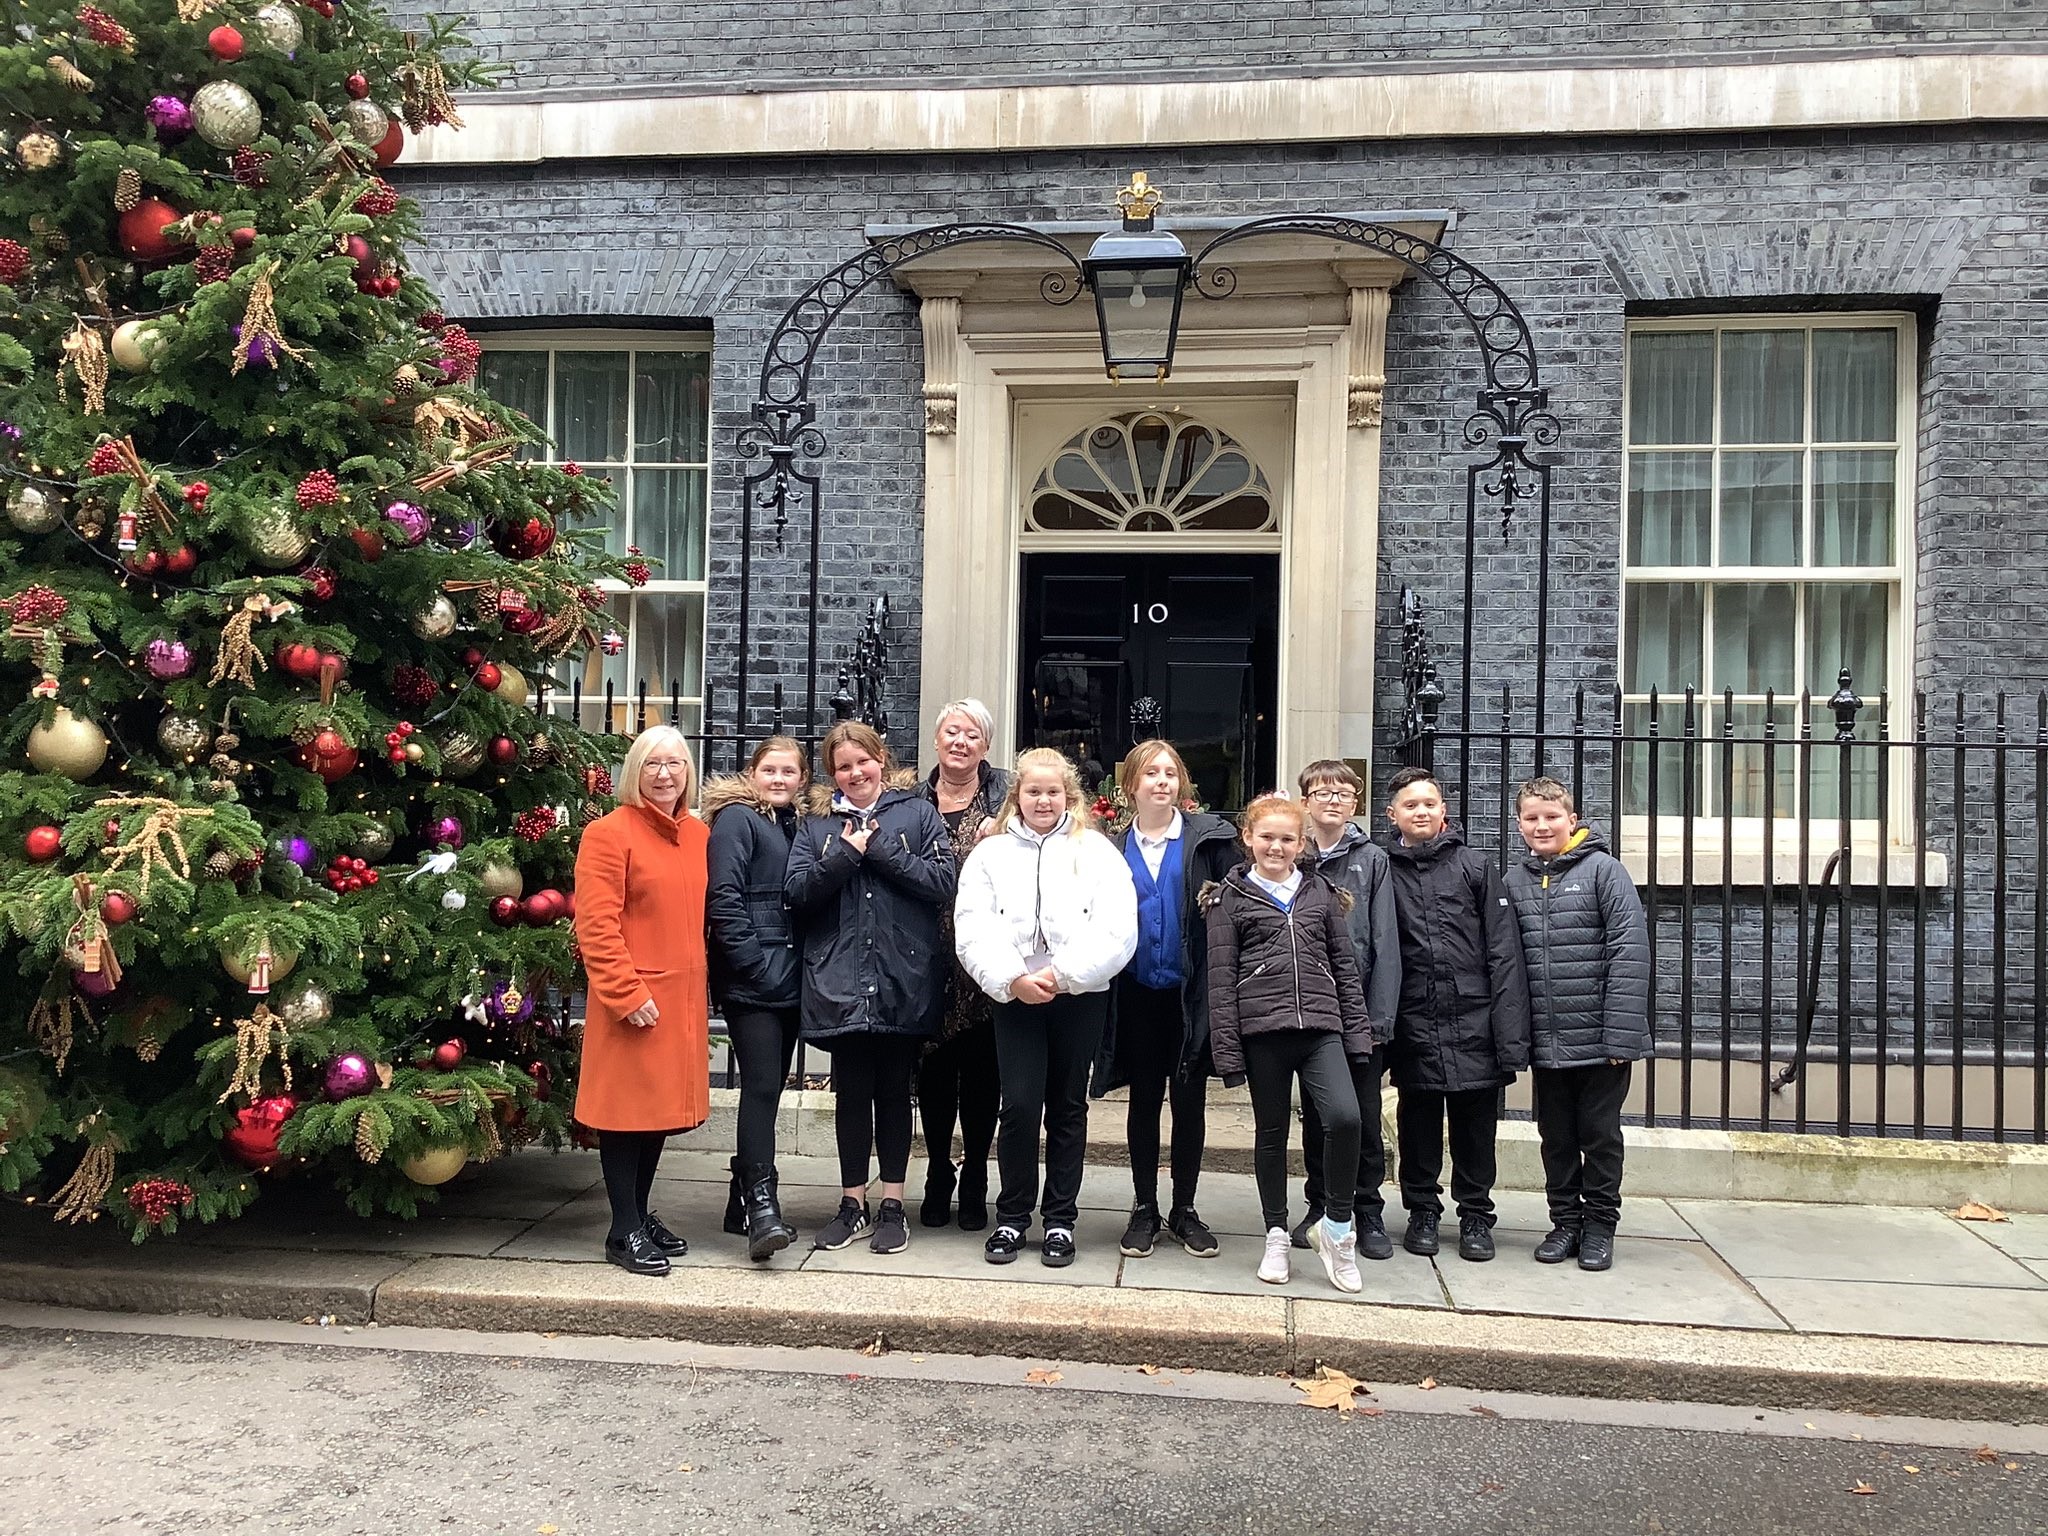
point(1273, 1267)
point(1339, 1255)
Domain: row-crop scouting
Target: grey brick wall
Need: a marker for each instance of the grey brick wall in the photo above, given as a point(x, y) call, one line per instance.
point(744, 44)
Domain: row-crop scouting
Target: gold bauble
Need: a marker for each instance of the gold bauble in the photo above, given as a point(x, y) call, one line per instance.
point(277, 28)
point(277, 541)
point(436, 621)
point(512, 688)
point(374, 841)
point(461, 754)
point(239, 960)
point(32, 509)
point(436, 1165)
point(497, 879)
point(68, 745)
point(183, 736)
point(136, 344)
point(38, 151)
point(306, 1007)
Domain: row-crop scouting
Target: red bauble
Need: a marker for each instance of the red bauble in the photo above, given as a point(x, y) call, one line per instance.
point(526, 540)
point(141, 231)
point(541, 908)
point(543, 1080)
point(296, 659)
point(252, 1139)
point(225, 42)
point(182, 561)
point(321, 581)
point(357, 85)
point(43, 844)
point(243, 238)
point(149, 563)
point(329, 756)
point(505, 911)
point(116, 908)
point(448, 1055)
point(369, 544)
point(392, 145)
point(525, 621)
point(503, 751)
point(488, 676)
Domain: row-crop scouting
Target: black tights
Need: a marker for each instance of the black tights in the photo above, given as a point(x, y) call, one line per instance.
point(871, 1081)
point(628, 1159)
point(960, 1081)
point(764, 1042)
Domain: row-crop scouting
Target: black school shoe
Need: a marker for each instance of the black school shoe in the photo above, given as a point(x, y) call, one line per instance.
point(673, 1244)
point(1475, 1239)
point(1142, 1232)
point(1420, 1238)
point(1373, 1242)
point(1057, 1251)
point(1003, 1245)
point(1192, 1233)
point(1596, 1248)
point(636, 1254)
point(1560, 1245)
point(1299, 1236)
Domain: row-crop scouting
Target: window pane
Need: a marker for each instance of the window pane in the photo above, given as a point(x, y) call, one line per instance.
point(1760, 509)
point(1828, 760)
point(1661, 648)
point(1671, 387)
point(1669, 755)
point(1670, 506)
point(668, 644)
point(590, 404)
point(672, 413)
point(520, 380)
point(1755, 638)
point(668, 521)
point(1853, 497)
point(613, 515)
point(1763, 386)
point(1845, 627)
point(1855, 386)
point(1758, 763)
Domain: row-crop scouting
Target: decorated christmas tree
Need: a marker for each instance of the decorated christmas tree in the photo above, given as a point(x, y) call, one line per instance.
point(286, 846)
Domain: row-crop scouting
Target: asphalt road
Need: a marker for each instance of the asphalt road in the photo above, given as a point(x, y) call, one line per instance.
point(283, 1430)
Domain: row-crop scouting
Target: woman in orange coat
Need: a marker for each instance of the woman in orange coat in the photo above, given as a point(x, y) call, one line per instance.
point(646, 1070)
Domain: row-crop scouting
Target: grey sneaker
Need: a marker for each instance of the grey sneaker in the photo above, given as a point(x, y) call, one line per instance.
point(1142, 1233)
point(844, 1228)
point(892, 1229)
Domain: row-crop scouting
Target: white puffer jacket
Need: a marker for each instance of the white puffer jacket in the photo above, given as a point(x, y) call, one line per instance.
point(1070, 895)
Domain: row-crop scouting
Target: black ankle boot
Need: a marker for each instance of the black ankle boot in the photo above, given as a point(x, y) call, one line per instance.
point(937, 1209)
point(735, 1203)
point(973, 1196)
point(767, 1232)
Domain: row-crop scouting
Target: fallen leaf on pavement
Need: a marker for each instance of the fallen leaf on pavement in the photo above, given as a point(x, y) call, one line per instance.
point(546, 1530)
point(1331, 1389)
point(1484, 1412)
point(1042, 1377)
point(878, 1345)
point(1977, 1210)
point(1148, 1370)
point(1863, 1488)
point(685, 1467)
point(1911, 1471)
point(1428, 1383)
point(2012, 1466)
point(1985, 1453)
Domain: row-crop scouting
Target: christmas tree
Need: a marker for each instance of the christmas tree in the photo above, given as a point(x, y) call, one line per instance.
point(283, 880)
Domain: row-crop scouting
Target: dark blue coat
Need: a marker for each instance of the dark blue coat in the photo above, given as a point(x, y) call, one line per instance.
point(752, 946)
point(1588, 952)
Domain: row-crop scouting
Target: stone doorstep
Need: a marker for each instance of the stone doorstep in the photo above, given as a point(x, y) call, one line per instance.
point(1663, 1162)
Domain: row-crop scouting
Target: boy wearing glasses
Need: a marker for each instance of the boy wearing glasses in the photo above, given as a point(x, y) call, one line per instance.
point(1350, 860)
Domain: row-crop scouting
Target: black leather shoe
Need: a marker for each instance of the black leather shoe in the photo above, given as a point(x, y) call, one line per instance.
point(1057, 1251)
point(1475, 1239)
point(973, 1198)
point(636, 1254)
point(768, 1232)
point(671, 1244)
point(1002, 1245)
point(1373, 1242)
point(1420, 1237)
point(1596, 1248)
point(1560, 1245)
point(937, 1209)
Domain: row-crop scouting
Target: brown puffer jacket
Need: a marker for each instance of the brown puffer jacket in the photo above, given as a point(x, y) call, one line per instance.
point(1272, 969)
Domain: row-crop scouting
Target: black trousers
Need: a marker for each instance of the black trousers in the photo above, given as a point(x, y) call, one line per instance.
point(1474, 1116)
point(628, 1160)
point(1045, 1050)
point(958, 1082)
point(1578, 1118)
point(1366, 1077)
point(1150, 1029)
point(1272, 1062)
point(764, 1045)
point(871, 1081)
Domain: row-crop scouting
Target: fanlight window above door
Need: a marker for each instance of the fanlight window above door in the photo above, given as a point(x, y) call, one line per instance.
point(1151, 472)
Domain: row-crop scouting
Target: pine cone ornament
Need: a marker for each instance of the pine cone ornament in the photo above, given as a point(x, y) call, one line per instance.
point(220, 865)
point(127, 188)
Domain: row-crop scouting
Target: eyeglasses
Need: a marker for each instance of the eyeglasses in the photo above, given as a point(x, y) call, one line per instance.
point(1334, 796)
point(664, 765)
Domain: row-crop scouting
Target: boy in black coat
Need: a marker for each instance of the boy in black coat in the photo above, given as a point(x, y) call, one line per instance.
point(1462, 1030)
point(1588, 953)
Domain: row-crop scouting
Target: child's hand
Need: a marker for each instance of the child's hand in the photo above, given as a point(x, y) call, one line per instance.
point(1033, 987)
point(856, 839)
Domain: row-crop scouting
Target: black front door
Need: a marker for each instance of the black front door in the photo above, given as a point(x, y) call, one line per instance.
point(1118, 648)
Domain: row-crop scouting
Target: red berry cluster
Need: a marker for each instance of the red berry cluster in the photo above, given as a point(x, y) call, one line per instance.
point(104, 30)
point(433, 320)
point(14, 262)
point(345, 874)
point(251, 167)
point(105, 460)
point(155, 1199)
point(414, 686)
point(395, 740)
point(37, 605)
point(572, 469)
point(196, 494)
point(384, 285)
point(378, 201)
point(592, 598)
point(459, 355)
point(531, 826)
point(597, 781)
point(319, 489)
point(213, 264)
point(639, 572)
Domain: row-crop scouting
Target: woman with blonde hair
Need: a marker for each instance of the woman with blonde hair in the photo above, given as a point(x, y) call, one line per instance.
point(869, 874)
point(1045, 919)
point(645, 1073)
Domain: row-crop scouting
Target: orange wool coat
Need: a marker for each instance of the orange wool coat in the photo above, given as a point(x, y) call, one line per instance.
point(640, 920)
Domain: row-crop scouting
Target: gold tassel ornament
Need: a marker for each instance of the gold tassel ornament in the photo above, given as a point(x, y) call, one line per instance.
point(85, 355)
point(159, 843)
point(259, 323)
point(255, 1039)
point(53, 1021)
point(79, 1199)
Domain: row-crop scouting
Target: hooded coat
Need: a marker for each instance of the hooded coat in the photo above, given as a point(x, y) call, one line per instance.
point(1587, 947)
point(1209, 850)
point(873, 955)
point(1463, 1022)
point(753, 945)
point(1067, 894)
point(1275, 969)
point(1358, 866)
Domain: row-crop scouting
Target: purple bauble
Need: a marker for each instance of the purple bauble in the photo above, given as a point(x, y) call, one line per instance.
point(444, 831)
point(92, 983)
point(300, 851)
point(262, 354)
point(349, 1075)
point(408, 521)
point(497, 1011)
point(167, 659)
point(171, 117)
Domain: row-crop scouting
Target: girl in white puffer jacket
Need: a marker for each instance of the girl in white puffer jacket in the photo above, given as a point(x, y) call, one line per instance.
point(1045, 918)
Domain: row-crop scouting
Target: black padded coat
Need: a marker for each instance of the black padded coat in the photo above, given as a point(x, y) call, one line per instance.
point(1273, 970)
point(1588, 953)
point(753, 948)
